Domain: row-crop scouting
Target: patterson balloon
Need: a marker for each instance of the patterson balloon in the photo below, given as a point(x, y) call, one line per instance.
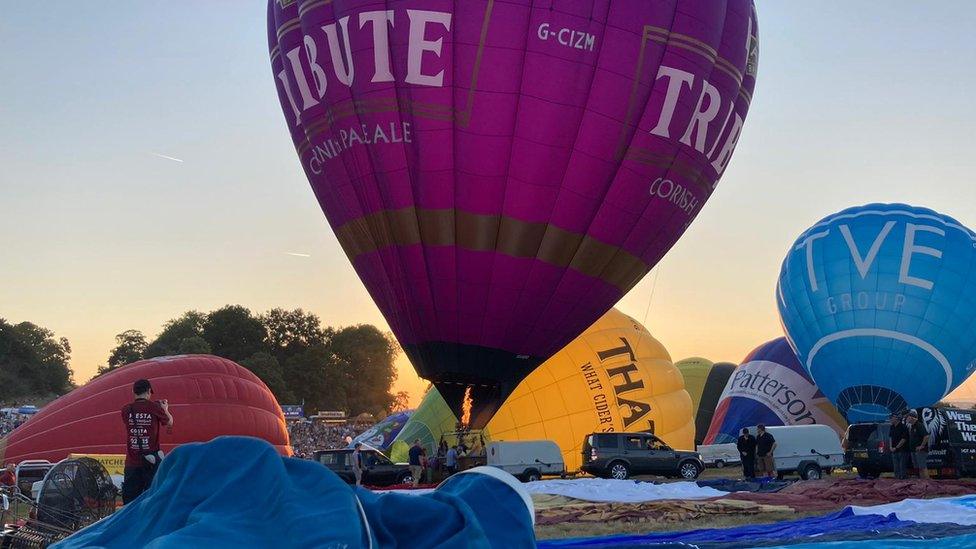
point(208, 397)
point(705, 382)
point(879, 302)
point(501, 173)
point(771, 387)
point(614, 377)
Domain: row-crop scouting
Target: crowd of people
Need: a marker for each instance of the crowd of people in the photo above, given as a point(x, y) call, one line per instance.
point(10, 421)
point(307, 436)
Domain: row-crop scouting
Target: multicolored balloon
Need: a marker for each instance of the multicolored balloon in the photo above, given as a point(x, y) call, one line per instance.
point(770, 387)
point(208, 396)
point(614, 377)
point(879, 302)
point(704, 381)
point(381, 435)
point(501, 173)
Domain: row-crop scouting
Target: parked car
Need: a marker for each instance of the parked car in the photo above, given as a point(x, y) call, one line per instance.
point(720, 455)
point(952, 444)
point(806, 450)
point(867, 449)
point(380, 471)
point(527, 460)
point(622, 455)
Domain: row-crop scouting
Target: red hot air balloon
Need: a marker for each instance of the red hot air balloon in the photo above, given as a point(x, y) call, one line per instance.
point(500, 173)
point(208, 397)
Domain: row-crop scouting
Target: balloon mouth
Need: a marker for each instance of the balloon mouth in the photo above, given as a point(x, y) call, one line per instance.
point(488, 375)
point(473, 405)
point(869, 403)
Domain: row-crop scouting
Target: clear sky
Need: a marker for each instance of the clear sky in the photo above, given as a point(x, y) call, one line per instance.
point(856, 102)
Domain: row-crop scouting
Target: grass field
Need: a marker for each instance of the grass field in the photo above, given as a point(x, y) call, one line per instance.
point(586, 529)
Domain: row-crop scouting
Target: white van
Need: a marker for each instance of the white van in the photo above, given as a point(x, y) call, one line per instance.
point(720, 455)
point(527, 460)
point(808, 450)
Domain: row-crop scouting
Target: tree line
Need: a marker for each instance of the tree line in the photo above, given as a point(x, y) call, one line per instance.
point(302, 362)
point(33, 362)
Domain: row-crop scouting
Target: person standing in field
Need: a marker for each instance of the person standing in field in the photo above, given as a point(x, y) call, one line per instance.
point(416, 468)
point(142, 419)
point(918, 442)
point(900, 448)
point(765, 446)
point(450, 460)
point(357, 464)
point(747, 451)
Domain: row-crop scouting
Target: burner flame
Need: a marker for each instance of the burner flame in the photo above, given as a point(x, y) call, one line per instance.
point(466, 407)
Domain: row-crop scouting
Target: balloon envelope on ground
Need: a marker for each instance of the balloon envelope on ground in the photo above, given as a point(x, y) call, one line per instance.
point(208, 397)
point(614, 377)
point(501, 173)
point(772, 388)
point(879, 302)
point(705, 382)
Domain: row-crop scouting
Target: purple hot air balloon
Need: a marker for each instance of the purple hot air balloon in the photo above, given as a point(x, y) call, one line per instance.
point(500, 173)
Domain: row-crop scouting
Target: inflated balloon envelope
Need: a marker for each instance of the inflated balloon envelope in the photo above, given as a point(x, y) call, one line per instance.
point(613, 377)
point(879, 301)
point(704, 381)
point(501, 173)
point(208, 396)
point(770, 387)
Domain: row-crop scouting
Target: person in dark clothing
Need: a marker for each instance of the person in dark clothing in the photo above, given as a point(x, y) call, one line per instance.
point(900, 447)
point(142, 419)
point(415, 454)
point(747, 450)
point(765, 446)
point(918, 444)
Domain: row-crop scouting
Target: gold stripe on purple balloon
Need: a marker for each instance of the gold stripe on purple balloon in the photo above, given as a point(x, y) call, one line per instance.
point(492, 233)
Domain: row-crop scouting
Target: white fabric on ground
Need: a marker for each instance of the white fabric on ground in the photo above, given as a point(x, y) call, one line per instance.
point(621, 491)
point(958, 510)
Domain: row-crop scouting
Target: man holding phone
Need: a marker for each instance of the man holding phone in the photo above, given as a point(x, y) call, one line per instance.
point(142, 419)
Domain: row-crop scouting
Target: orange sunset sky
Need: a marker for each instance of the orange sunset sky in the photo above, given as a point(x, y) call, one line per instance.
point(152, 173)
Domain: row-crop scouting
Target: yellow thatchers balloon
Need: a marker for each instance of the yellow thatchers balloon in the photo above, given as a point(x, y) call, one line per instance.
point(614, 377)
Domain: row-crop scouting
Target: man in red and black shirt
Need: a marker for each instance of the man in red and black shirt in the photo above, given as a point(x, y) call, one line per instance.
point(142, 419)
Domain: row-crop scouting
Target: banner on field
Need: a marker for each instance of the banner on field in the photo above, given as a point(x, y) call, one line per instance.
point(293, 411)
point(113, 463)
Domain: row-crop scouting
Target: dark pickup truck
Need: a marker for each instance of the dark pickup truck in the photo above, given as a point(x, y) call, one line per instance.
point(952, 444)
point(380, 471)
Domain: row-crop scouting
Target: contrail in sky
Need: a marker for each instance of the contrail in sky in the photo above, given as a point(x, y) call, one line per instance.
point(167, 157)
point(296, 254)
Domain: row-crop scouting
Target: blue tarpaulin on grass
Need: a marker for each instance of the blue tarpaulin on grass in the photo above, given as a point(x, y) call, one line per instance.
point(238, 492)
point(843, 525)
point(954, 542)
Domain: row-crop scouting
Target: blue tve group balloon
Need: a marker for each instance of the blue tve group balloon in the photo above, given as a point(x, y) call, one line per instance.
point(879, 302)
